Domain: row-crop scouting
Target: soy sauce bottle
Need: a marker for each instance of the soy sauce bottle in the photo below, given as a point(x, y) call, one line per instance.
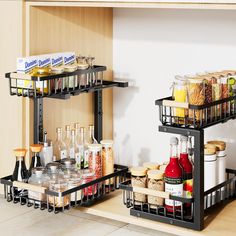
point(20, 174)
point(35, 161)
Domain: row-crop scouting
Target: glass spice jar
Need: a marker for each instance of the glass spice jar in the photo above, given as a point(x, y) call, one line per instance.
point(216, 93)
point(95, 159)
point(107, 160)
point(88, 176)
point(139, 179)
point(155, 182)
point(75, 180)
point(196, 96)
point(225, 92)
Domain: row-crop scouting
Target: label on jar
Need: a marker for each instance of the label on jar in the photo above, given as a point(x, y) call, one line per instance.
point(188, 185)
point(175, 187)
point(72, 153)
point(86, 157)
point(63, 154)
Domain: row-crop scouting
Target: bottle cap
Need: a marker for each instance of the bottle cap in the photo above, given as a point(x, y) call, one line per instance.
point(59, 130)
point(36, 147)
point(57, 69)
point(221, 145)
point(71, 67)
point(151, 165)
point(68, 128)
point(155, 174)
point(68, 161)
point(183, 138)
point(107, 143)
point(174, 141)
point(138, 171)
point(72, 132)
point(20, 152)
point(95, 147)
point(76, 125)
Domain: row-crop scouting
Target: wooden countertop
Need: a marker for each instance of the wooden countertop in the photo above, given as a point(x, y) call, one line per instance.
point(221, 222)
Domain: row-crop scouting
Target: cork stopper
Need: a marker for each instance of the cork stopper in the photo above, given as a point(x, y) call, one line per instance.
point(20, 152)
point(221, 145)
point(36, 147)
point(59, 130)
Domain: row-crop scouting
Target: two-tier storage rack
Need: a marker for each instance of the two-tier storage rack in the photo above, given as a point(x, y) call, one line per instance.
point(203, 116)
point(88, 80)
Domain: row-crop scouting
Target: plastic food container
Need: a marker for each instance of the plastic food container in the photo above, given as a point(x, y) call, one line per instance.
point(139, 179)
point(107, 160)
point(155, 182)
point(95, 159)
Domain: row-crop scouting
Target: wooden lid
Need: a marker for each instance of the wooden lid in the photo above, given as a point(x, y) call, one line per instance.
point(151, 165)
point(20, 152)
point(36, 147)
point(221, 145)
point(210, 149)
point(138, 171)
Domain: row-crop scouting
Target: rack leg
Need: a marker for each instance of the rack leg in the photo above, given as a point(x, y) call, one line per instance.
point(198, 189)
point(98, 115)
point(38, 120)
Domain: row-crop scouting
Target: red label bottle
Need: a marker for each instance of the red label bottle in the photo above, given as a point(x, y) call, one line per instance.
point(173, 177)
point(187, 172)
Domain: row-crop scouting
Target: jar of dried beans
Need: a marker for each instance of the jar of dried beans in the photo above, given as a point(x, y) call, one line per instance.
point(196, 96)
point(155, 182)
point(95, 159)
point(139, 179)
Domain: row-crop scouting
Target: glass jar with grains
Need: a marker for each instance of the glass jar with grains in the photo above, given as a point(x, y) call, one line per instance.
point(155, 182)
point(139, 179)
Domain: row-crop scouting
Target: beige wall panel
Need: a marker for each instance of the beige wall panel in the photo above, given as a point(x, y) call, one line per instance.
point(11, 107)
point(87, 31)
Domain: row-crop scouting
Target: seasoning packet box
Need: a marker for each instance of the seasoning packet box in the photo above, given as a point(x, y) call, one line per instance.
point(69, 58)
point(56, 59)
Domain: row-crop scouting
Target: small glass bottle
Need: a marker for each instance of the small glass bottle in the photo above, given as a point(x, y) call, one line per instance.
point(85, 148)
point(82, 148)
point(67, 138)
point(173, 177)
point(72, 146)
point(91, 139)
point(35, 161)
point(60, 147)
point(20, 172)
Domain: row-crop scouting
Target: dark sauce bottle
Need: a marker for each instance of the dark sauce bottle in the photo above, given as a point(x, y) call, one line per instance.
point(35, 161)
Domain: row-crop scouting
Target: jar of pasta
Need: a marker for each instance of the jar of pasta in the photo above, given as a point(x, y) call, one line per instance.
point(180, 95)
point(155, 182)
point(139, 179)
point(107, 160)
point(196, 96)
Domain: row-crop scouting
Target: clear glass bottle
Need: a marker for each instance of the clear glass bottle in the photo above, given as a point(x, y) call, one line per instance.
point(46, 154)
point(60, 150)
point(73, 148)
point(173, 177)
point(91, 139)
point(67, 138)
point(84, 153)
point(20, 172)
point(35, 161)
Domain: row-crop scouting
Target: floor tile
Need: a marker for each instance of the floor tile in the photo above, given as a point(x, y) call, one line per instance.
point(124, 231)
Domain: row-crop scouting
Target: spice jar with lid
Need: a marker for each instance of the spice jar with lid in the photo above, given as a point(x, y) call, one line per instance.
point(151, 165)
point(180, 95)
point(139, 179)
point(95, 159)
point(75, 180)
point(107, 160)
point(59, 185)
point(88, 176)
point(37, 178)
point(155, 182)
point(196, 96)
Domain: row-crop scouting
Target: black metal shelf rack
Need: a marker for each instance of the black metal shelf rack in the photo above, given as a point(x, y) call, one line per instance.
point(203, 116)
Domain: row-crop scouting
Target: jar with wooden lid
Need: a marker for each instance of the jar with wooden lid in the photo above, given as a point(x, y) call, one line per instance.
point(151, 165)
point(155, 182)
point(139, 179)
point(196, 96)
point(107, 160)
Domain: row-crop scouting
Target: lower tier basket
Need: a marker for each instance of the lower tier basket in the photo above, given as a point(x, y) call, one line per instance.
point(83, 195)
point(180, 216)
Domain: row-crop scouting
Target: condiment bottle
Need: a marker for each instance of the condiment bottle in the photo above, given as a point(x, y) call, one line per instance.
point(60, 149)
point(173, 177)
point(35, 161)
point(91, 139)
point(187, 173)
point(107, 160)
point(67, 139)
point(73, 148)
point(46, 154)
point(20, 172)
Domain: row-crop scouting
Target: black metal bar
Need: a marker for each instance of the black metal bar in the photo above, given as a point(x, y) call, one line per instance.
point(38, 120)
point(98, 113)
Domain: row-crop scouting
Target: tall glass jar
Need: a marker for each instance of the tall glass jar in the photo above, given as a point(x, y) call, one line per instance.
point(180, 95)
point(139, 179)
point(95, 159)
point(196, 96)
point(107, 160)
point(216, 93)
point(88, 176)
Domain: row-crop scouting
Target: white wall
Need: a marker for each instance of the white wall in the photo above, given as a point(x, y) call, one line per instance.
point(150, 47)
point(10, 107)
